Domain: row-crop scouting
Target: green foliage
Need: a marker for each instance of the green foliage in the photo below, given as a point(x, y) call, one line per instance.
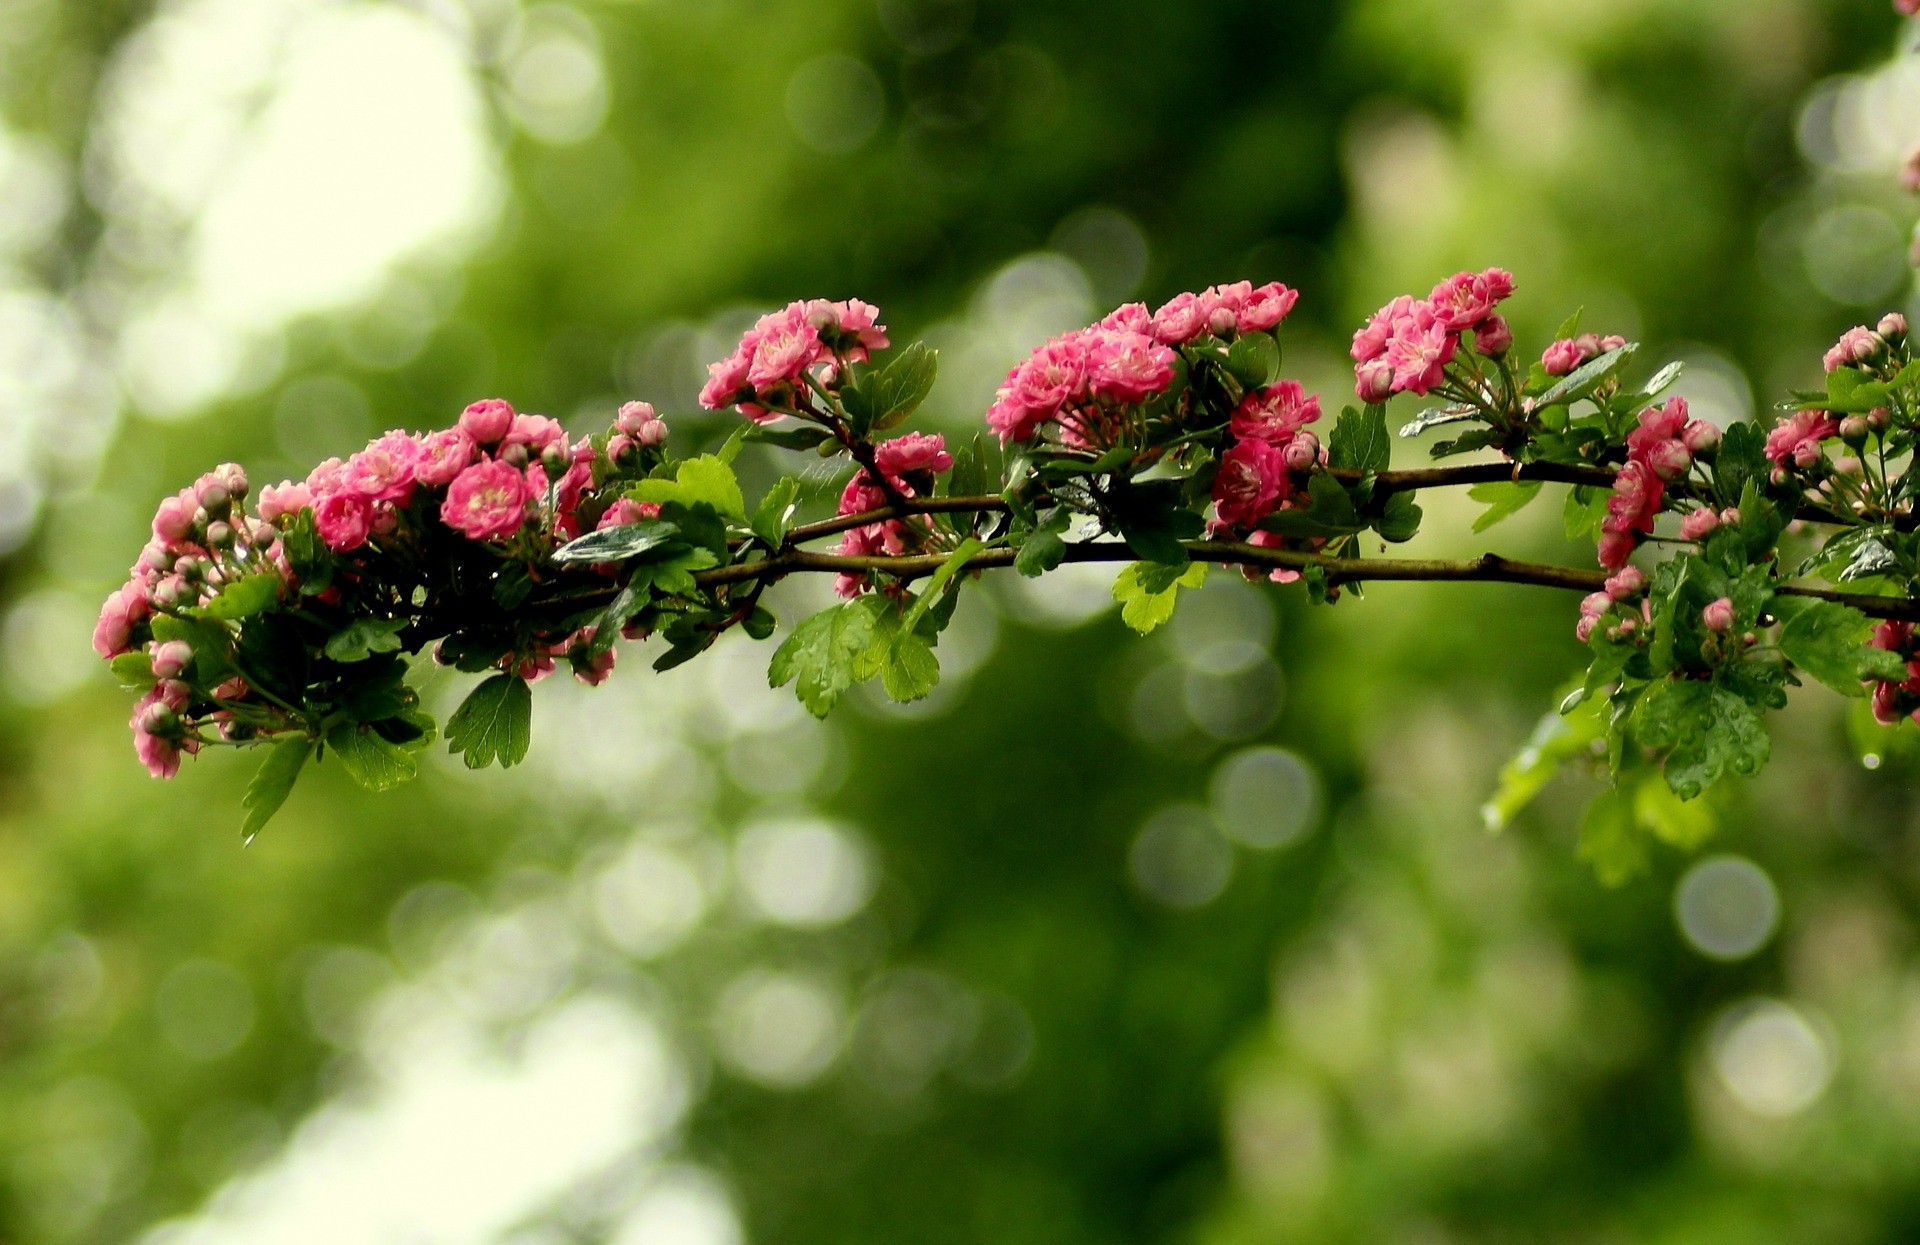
point(273, 782)
point(1708, 730)
point(1254, 360)
point(1359, 441)
point(703, 481)
point(616, 544)
point(363, 637)
point(373, 760)
point(244, 597)
point(821, 656)
point(883, 397)
point(1148, 591)
point(1502, 498)
point(494, 723)
point(1829, 642)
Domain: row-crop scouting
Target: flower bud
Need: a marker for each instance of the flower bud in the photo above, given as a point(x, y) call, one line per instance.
point(1700, 436)
point(1374, 381)
point(1718, 615)
point(555, 461)
point(1878, 418)
point(1493, 337)
point(1625, 582)
point(1730, 516)
point(233, 477)
point(1670, 460)
point(155, 558)
point(487, 420)
point(1853, 430)
point(158, 719)
point(514, 456)
point(215, 500)
point(1303, 452)
point(653, 432)
point(171, 658)
point(1699, 524)
point(219, 534)
point(173, 520)
point(171, 593)
point(1892, 326)
point(619, 446)
point(632, 415)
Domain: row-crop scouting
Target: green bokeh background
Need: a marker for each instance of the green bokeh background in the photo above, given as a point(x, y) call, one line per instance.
point(1395, 1027)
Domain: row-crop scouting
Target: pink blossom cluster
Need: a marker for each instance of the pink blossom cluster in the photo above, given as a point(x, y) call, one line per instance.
point(1083, 382)
point(765, 376)
point(1568, 353)
point(1660, 448)
point(1405, 346)
point(496, 466)
point(202, 540)
point(1862, 345)
point(1795, 440)
point(1893, 701)
point(1621, 587)
point(908, 463)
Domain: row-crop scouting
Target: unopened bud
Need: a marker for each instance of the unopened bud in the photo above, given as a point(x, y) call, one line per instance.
point(1718, 615)
point(1853, 430)
point(234, 478)
point(653, 432)
point(632, 415)
point(215, 500)
point(1878, 418)
point(219, 534)
point(1892, 326)
point(171, 658)
point(514, 455)
point(1303, 452)
point(1700, 436)
point(1221, 321)
point(1625, 582)
point(1374, 381)
point(1670, 460)
point(158, 719)
point(555, 461)
point(1494, 337)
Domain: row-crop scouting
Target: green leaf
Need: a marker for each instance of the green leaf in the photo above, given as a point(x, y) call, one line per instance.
point(883, 397)
point(1399, 518)
point(134, 669)
point(363, 637)
point(1829, 642)
point(494, 722)
point(820, 656)
point(937, 581)
point(1708, 729)
point(1254, 360)
point(1360, 441)
point(807, 438)
point(910, 670)
point(1502, 498)
point(615, 544)
point(1584, 379)
point(244, 597)
point(1147, 596)
point(1740, 460)
point(1684, 824)
point(1585, 509)
point(1436, 416)
point(771, 515)
point(307, 555)
point(1854, 391)
point(1044, 547)
point(1662, 379)
point(703, 480)
point(272, 783)
point(1558, 739)
point(370, 759)
point(1610, 838)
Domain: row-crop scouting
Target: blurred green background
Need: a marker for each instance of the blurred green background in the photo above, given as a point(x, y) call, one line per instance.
point(1197, 938)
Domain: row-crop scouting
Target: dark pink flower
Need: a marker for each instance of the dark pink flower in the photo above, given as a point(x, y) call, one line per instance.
point(1797, 439)
point(1266, 307)
point(1252, 480)
point(1419, 351)
point(344, 520)
point(1275, 414)
point(487, 501)
point(1128, 367)
point(487, 420)
point(1181, 319)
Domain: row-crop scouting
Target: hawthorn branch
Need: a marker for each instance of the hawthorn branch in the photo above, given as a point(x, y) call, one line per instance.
point(1487, 568)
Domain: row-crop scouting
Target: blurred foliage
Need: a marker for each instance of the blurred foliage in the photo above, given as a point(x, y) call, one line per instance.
point(1059, 1026)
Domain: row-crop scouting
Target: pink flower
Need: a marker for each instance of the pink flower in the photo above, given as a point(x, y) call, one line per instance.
point(1051, 376)
point(916, 451)
point(1625, 582)
point(1593, 607)
point(536, 432)
point(443, 455)
point(1012, 418)
point(1493, 337)
point(157, 733)
point(1465, 299)
point(282, 499)
point(1303, 452)
point(487, 501)
point(487, 420)
point(1856, 345)
point(170, 658)
point(1181, 319)
point(384, 470)
point(785, 345)
point(1262, 538)
point(1274, 414)
point(1797, 439)
point(1632, 507)
point(1128, 318)
point(1892, 326)
point(625, 511)
point(1371, 342)
point(1128, 367)
point(1420, 350)
point(344, 520)
point(119, 614)
point(1910, 8)
point(1251, 481)
point(726, 380)
point(858, 323)
point(860, 542)
point(1266, 307)
point(1718, 614)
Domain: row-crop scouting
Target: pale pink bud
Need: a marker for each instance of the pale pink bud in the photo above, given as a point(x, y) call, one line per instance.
point(487, 420)
point(632, 415)
point(1853, 430)
point(1670, 459)
point(1718, 615)
point(653, 432)
point(1700, 436)
point(171, 658)
point(1700, 524)
point(1730, 516)
point(1374, 380)
point(1625, 582)
point(1892, 326)
point(173, 520)
point(1303, 451)
point(1878, 418)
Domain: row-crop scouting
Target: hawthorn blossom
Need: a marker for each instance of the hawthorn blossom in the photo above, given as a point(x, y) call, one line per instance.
point(1252, 480)
point(487, 501)
point(1797, 439)
point(487, 420)
point(1274, 414)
